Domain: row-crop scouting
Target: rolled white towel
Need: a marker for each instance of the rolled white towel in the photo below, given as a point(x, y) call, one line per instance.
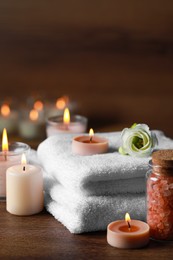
point(101, 174)
point(85, 214)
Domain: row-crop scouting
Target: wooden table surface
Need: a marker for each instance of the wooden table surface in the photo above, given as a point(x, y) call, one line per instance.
point(41, 236)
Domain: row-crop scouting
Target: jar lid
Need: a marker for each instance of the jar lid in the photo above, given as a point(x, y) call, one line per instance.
point(163, 158)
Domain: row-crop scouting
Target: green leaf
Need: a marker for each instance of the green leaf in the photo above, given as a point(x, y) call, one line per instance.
point(134, 125)
point(122, 151)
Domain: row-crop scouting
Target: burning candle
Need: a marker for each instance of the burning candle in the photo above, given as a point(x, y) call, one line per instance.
point(9, 155)
point(66, 124)
point(39, 107)
point(57, 108)
point(32, 127)
point(8, 119)
point(128, 233)
point(24, 189)
point(89, 145)
point(62, 102)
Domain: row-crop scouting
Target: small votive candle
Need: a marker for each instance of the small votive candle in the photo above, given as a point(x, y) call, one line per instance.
point(57, 108)
point(66, 124)
point(24, 189)
point(128, 234)
point(8, 119)
point(32, 127)
point(89, 145)
point(10, 155)
point(39, 107)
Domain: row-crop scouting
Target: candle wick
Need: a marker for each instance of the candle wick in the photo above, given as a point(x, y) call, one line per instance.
point(91, 138)
point(24, 168)
point(5, 156)
point(129, 225)
point(67, 127)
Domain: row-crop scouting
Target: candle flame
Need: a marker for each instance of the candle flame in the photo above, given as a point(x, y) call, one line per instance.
point(5, 110)
point(60, 103)
point(38, 105)
point(23, 159)
point(91, 132)
point(66, 117)
point(128, 219)
point(5, 147)
point(33, 115)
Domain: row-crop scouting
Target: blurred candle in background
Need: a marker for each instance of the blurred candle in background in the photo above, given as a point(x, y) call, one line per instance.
point(62, 102)
point(32, 127)
point(39, 107)
point(8, 119)
point(57, 108)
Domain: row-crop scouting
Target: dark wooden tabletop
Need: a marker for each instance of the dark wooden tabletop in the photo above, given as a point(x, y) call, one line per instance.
point(41, 236)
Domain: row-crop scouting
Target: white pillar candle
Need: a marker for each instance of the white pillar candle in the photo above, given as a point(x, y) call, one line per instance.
point(24, 186)
point(9, 155)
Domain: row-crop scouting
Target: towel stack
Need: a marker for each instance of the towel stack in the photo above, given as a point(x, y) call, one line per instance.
point(86, 193)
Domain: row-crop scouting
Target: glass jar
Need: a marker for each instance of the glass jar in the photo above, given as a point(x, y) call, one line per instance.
point(8, 159)
point(55, 125)
point(160, 195)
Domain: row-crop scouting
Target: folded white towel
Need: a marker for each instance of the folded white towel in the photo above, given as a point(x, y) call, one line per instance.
point(85, 214)
point(101, 174)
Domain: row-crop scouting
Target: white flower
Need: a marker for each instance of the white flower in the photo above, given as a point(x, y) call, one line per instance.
point(138, 141)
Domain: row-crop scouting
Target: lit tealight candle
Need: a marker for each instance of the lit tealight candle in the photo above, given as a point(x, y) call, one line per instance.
point(57, 108)
point(39, 107)
point(66, 124)
point(62, 102)
point(89, 145)
point(8, 119)
point(128, 233)
point(10, 155)
point(24, 189)
point(32, 127)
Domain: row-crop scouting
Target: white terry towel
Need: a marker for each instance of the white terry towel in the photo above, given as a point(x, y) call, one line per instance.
point(102, 174)
point(85, 214)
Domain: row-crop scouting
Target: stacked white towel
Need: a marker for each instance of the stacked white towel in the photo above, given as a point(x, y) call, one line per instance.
point(85, 193)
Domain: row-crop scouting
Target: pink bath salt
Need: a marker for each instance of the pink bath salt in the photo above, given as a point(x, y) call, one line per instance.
point(161, 201)
point(160, 196)
point(162, 215)
point(160, 225)
point(155, 187)
point(171, 186)
point(160, 209)
point(167, 193)
point(171, 203)
point(164, 182)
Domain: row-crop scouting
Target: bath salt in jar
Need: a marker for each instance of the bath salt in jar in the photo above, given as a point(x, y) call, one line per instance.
point(160, 195)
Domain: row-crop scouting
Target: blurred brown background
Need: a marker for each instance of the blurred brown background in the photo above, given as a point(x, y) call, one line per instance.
point(115, 58)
